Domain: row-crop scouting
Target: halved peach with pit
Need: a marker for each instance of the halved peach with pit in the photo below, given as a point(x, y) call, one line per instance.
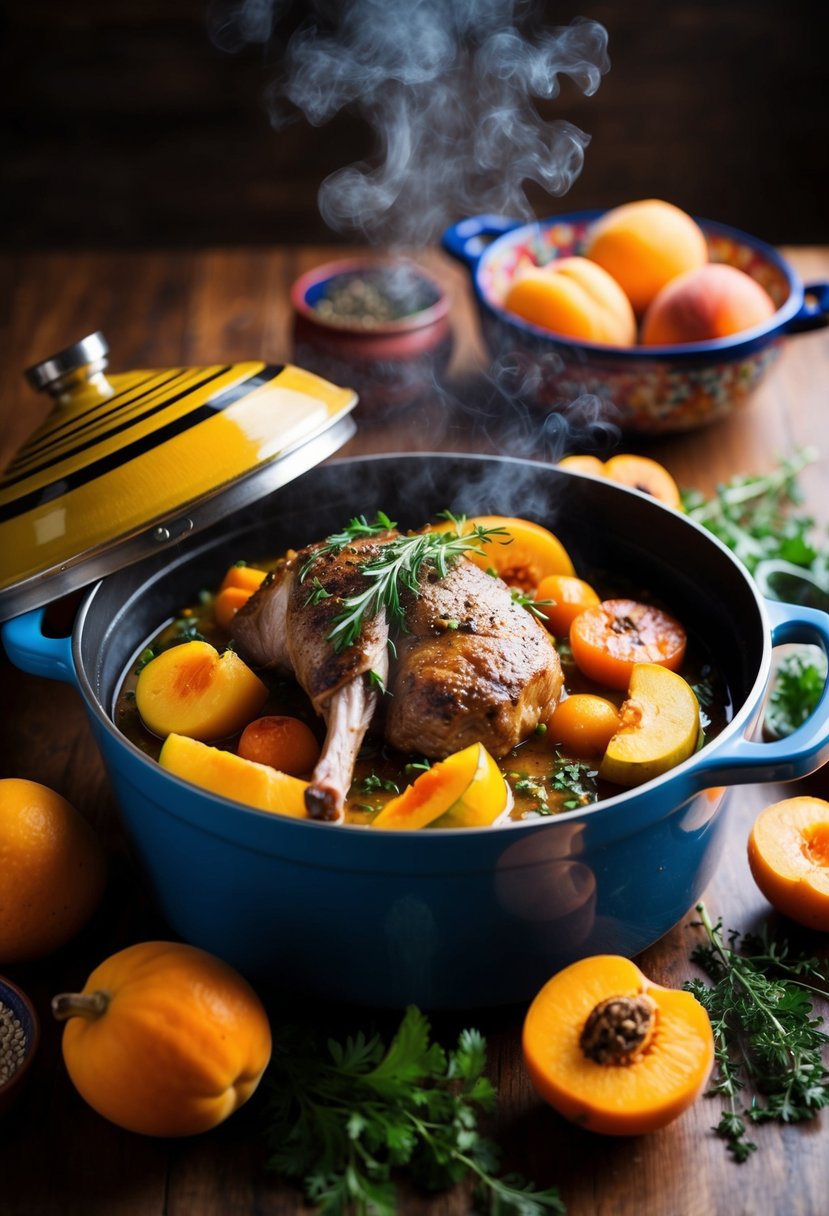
point(192, 690)
point(614, 1052)
point(788, 852)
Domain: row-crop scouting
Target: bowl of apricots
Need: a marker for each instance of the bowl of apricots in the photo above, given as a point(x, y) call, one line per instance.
point(534, 760)
point(669, 320)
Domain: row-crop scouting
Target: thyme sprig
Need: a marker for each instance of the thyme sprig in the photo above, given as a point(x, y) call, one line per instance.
point(399, 567)
point(346, 1123)
point(767, 1042)
point(752, 515)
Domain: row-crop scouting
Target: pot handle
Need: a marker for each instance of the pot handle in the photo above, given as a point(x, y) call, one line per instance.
point(813, 312)
point(801, 752)
point(31, 650)
point(467, 239)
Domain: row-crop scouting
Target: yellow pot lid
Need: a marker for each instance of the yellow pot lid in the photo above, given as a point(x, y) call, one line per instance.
point(127, 464)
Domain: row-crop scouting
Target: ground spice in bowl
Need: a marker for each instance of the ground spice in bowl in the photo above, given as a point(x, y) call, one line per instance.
point(374, 297)
point(379, 327)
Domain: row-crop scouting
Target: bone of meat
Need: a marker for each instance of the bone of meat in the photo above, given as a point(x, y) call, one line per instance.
point(473, 667)
point(283, 627)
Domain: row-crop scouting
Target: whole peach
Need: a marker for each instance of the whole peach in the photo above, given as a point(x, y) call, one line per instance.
point(644, 245)
point(575, 298)
point(713, 301)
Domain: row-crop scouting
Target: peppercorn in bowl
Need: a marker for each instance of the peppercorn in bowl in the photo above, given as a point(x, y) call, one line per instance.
point(19, 1038)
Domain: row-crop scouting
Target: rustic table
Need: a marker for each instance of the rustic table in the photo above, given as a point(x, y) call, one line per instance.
point(57, 1157)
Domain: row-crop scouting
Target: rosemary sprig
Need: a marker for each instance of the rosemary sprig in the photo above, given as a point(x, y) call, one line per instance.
point(397, 568)
point(528, 601)
point(357, 528)
point(766, 1041)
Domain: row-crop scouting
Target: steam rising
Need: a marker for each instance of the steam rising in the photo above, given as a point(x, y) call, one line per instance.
point(447, 87)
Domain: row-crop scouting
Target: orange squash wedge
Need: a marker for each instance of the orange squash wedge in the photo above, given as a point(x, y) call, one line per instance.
point(464, 790)
point(231, 776)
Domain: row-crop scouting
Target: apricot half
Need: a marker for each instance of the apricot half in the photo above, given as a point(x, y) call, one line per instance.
point(788, 852)
point(659, 727)
point(192, 690)
point(230, 776)
point(576, 298)
point(614, 1052)
point(465, 790)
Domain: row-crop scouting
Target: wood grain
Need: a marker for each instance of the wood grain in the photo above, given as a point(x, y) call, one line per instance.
point(57, 1157)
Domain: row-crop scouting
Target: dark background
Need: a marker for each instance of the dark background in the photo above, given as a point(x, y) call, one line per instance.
point(126, 127)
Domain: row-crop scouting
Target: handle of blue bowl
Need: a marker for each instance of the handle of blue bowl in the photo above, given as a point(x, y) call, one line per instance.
point(31, 650)
point(741, 760)
point(468, 239)
point(813, 312)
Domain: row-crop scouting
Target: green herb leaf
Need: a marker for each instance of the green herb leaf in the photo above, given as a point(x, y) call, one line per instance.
point(528, 601)
point(766, 1040)
point(795, 690)
point(752, 515)
point(398, 568)
point(347, 1123)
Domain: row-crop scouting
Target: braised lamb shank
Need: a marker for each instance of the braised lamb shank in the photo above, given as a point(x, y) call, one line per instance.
point(472, 664)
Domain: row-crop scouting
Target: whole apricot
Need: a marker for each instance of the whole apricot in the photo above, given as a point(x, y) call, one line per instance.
point(576, 298)
point(713, 301)
point(644, 245)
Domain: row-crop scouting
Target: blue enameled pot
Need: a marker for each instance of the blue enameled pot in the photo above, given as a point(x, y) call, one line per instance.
point(460, 918)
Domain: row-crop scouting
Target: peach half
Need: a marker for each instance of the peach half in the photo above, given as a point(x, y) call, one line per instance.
point(192, 690)
point(788, 853)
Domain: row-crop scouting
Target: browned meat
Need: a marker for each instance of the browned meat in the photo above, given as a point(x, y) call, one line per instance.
point(472, 664)
point(474, 667)
point(285, 627)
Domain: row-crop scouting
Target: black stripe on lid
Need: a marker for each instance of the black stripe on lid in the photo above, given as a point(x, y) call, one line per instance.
point(33, 451)
point(81, 477)
point(125, 425)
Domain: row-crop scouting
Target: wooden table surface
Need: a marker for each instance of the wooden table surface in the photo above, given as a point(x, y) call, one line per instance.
point(57, 1157)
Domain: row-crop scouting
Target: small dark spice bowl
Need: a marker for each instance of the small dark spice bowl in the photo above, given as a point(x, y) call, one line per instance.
point(380, 326)
point(19, 1038)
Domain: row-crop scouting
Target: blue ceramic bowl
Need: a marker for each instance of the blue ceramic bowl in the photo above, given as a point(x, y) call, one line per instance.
point(648, 389)
point(456, 918)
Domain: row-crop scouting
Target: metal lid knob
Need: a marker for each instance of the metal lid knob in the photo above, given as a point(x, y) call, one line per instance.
point(82, 361)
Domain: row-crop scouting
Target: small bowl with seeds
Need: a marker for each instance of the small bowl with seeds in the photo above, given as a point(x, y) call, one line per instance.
point(380, 326)
point(19, 1038)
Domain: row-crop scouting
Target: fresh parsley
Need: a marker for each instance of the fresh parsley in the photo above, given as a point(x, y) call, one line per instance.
point(372, 783)
point(576, 779)
point(795, 690)
point(348, 1122)
point(398, 567)
point(767, 1041)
